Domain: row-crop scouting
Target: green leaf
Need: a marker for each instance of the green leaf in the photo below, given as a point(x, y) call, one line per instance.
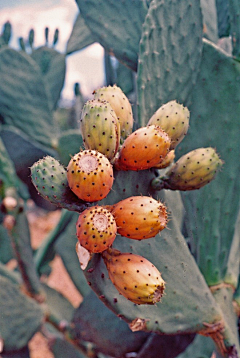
point(169, 55)
point(20, 318)
point(24, 102)
point(80, 37)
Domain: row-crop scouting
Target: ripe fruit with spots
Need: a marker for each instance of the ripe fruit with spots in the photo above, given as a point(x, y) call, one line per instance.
point(96, 229)
point(90, 175)
point(121, 106)
point(193, 170)
point(173, 118)
point(140, 217)
point(143, 149)
point(168, 160)
point(134, 277)
point(100, 128)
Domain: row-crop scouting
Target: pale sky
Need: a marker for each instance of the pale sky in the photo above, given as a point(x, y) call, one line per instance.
point(85, 67)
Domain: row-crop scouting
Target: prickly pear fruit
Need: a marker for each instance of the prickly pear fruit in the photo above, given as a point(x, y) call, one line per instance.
point(143, 149)
point(173, 118)
point(90, 175)
point(100, 128)
point(134, 277)
point(50, 179)
point(139, 217)
point(168, 160)
point(96, 229)
point(121, 106)
point(193, 170)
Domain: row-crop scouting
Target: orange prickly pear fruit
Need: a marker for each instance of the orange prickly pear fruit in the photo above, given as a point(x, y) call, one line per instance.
point(121, 106)
point(96, 229)
point(90, 175)
point(143, 149)
point(173, 118)
point(140, 217)
point(100, 128)
point(193, 170)
point(134, 277)
point(168, 160)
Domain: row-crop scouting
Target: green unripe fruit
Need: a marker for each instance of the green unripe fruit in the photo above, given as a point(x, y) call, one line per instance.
point(134, 277)
point(96, 229)
point(100, 128)
point(50, 178)
point(121, 106)
point(193, 170)
point(173, 118)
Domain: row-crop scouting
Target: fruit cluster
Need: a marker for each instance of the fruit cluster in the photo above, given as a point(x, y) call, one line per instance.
point(110, 143)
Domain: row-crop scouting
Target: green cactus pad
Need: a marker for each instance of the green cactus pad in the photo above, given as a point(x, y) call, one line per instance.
point(81, 36)
point(53, 66)
point(201, 347)
point(65, 247)
point(187, 301)
point(50, 179)
point(170, 54)
point(7, 169)
point(210, 30)
point(223, 18)
point(211, 212)
point(234, 17)
point(113, 28)
point(68, 144)
point(24, 102)
point(20, 353)
point(21, 317)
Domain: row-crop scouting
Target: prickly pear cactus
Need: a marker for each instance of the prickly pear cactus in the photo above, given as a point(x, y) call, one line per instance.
point(157, 228)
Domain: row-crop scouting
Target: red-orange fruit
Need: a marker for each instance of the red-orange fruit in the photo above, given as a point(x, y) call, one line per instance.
point(90, 175)
point(136, 278)
point(96, 229)
point(140, 217)
point(143, 149)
